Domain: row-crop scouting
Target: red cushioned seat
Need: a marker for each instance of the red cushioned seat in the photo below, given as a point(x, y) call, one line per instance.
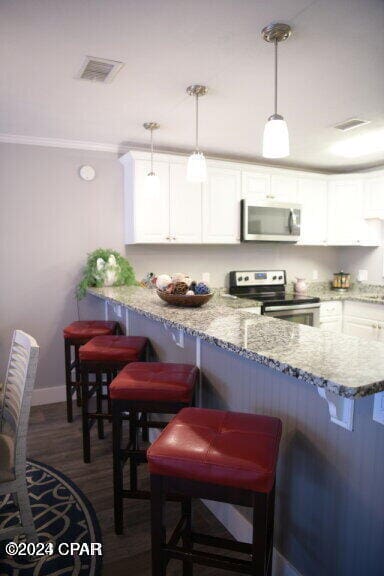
point(87, 329)
point(155, 382)
point(113, 349)
point(218, 447)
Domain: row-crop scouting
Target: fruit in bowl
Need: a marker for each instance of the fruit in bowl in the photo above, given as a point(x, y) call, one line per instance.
point(180, 290)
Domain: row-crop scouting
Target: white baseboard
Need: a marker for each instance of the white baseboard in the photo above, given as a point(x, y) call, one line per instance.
point(48, 395)
point(241, 529)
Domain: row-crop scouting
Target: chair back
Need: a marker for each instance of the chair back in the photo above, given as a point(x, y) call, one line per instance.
point(17, 393)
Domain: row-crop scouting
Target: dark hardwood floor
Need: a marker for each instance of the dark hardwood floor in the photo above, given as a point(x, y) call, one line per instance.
point(53, 441)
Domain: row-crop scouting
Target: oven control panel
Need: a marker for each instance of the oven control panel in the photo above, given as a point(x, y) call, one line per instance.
point(258, 278)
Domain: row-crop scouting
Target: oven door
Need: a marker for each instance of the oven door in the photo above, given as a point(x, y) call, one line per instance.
point(270, 221)
point(308, 314)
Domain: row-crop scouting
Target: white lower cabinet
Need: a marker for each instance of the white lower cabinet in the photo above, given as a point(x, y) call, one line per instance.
point(221, 206)
point(362, 327)
point(364, 320)
point(331, 316)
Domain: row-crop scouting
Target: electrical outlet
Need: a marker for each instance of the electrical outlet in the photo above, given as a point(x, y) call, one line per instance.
point(362, 275)
point(206, 277)
point(315, 275)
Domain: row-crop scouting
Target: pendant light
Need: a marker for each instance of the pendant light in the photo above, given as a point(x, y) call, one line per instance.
point(197, 166)
point(152, 183)
point(276, 137)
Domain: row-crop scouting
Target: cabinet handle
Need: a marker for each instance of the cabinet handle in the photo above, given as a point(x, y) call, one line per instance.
point(167, 237)
point(374, 326)
point(270, 196)
point(379, 327)
point(173, 237)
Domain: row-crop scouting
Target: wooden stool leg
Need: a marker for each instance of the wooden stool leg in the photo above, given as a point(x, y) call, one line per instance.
point(117, 424)
point(260, 535)
point(145, 428)
point(78, 376)
point(99, 403)
point(186, 510)
point(157, 526)
point(68, 379)
point(84, 404)
point(133, 446)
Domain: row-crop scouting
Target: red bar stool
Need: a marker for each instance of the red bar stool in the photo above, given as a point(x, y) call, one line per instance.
point(215, 455)
point(75, 335)
point(142, 389)
point(104, 356)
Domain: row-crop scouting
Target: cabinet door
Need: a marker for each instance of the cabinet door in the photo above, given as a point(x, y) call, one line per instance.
point(374, 197)
point(313, 195)
point(362, 327)
point(221, 206)
point(331, 323)
point(284, 188)
point(345, 213)
point(185, 207)
point(151, 209)
point(255, 186)
point(347, 225)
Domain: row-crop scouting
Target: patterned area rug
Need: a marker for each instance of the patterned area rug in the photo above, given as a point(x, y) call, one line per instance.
point(62, 514)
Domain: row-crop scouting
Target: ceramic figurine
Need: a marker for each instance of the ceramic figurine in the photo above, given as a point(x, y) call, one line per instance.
point(190, 293)
point(300, 286)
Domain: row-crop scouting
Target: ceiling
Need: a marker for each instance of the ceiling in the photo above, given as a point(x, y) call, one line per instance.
point(331, 69)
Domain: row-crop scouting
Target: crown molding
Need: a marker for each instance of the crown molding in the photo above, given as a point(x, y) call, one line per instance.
point(61, 143)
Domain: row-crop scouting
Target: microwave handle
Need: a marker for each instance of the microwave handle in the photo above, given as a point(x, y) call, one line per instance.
point(290, 220)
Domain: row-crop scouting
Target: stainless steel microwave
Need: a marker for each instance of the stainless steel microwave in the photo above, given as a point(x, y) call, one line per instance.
point(270, 221)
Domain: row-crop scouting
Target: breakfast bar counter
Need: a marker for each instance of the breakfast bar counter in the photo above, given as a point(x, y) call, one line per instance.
point(322, 385)
point(345, 365)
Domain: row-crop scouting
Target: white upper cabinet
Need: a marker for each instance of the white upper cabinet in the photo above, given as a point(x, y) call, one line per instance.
point(336, 211)
point(284, 188)
point(255, 186)
point(374, 197)
point(221, 206)
point(313, 197)
point(146, 213)
point(185, 206)
point(346, 211)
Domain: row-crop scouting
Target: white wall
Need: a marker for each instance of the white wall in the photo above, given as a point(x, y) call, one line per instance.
point(50, 219)
point(219, 260)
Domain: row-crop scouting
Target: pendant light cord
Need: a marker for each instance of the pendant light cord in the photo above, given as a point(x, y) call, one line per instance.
point(151, 150)
point(276, 76)
point(197, 122)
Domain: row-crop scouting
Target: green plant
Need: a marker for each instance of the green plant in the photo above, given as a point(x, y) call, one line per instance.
point(94, 273)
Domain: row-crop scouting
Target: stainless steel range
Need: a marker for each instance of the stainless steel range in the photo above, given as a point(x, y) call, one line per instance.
point(269, 288)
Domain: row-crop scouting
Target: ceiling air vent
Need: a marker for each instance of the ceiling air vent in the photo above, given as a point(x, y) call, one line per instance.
point(351, 124)
point(99, 69)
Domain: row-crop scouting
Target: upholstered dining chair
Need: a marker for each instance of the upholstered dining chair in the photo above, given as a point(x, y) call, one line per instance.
point(15, 399)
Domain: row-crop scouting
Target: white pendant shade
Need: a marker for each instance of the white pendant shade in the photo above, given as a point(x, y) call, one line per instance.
point(276, 138)
point(152, 183)
point(197, 168)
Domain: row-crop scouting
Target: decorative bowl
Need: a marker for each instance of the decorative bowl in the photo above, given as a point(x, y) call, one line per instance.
point(183, 300)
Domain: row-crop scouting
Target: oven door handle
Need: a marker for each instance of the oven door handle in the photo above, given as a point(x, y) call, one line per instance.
point(299, 307)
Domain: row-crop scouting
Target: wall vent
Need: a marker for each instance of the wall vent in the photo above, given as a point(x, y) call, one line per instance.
point(351, 124)
point(99, 69)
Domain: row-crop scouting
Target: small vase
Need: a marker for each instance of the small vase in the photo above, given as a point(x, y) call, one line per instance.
point(300, 286)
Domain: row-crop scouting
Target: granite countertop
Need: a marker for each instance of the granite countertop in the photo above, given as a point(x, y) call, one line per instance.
point(368, 293)
point(346, 365)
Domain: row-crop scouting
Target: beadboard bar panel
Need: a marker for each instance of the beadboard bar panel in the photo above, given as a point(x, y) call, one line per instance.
point(330, 502)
